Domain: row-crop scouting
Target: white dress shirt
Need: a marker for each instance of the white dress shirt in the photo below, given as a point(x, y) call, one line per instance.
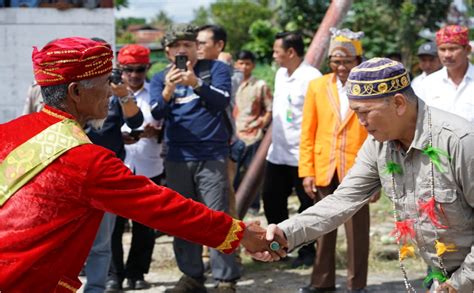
point(144, 156)
point(343, 99)
point(417, 82)
point(439, 91)
point(288, 101)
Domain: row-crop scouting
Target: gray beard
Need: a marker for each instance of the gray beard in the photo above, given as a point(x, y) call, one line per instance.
point(96, 123)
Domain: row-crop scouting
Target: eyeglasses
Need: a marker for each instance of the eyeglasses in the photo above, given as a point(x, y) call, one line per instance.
point(345, 63)
point(129, 70)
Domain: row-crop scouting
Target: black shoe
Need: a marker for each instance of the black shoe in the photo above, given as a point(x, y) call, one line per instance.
point(142, 284)
point(311, 289)
point(113, 286)
point(139, 284)
point(131, 283)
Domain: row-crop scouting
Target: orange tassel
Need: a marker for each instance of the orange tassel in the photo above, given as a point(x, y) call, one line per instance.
point(441, 248)
point(429, 208)
point(407, 250)
point(403, 230)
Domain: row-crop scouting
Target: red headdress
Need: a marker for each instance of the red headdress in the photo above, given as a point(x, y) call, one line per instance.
point(134, 54)
point(454, 34)
point(71, 59)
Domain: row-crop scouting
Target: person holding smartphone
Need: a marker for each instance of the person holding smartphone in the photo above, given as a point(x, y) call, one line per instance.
point(192, 101)
point(143, 158)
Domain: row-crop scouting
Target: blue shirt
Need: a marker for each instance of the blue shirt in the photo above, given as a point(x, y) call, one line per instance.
point(195, 128)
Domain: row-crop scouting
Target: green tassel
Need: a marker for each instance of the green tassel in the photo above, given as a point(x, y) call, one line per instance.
point(393, 168)
point(435, 274)
point(434, 155)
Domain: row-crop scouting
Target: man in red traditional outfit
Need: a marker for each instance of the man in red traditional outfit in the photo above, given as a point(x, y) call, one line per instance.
point(55, 185)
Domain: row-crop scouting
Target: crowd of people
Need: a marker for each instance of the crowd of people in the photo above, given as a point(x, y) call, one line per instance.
point(97, 146)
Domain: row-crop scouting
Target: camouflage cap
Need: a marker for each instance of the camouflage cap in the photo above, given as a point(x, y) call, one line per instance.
point(177, 32)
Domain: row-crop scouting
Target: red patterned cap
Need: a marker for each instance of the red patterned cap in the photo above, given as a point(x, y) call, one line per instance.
point(454, 34)
point(134, 54)
point(71, 59)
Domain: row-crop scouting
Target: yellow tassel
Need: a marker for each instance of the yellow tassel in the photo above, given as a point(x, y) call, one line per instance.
point(407, 250)
point(442, 248)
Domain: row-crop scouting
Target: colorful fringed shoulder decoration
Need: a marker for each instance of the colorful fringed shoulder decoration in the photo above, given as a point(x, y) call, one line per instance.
point(407, 250)
point(429, 208)
point(435, 274)
point(393, 168)
point(404, 228)
point(434, 155)
point(442, 248)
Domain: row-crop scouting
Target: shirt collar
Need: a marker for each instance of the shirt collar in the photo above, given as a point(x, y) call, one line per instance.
point(422, 128)
point(145, 88)
point(295, 73)
point(470, 71)
point(249, 81)
point(54, 112)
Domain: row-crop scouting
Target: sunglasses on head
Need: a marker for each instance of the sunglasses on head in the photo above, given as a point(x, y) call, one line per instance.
point(140, 69)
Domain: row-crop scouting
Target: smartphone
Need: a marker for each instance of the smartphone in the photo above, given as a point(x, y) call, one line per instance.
point(180, 61)
point(116, 76)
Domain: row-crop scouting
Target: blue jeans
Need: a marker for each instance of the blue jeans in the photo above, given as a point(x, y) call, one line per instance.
point(98, 261)
point(206, 182)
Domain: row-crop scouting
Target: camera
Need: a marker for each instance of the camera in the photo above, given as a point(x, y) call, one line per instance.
point(116, 76)
point(180, 61)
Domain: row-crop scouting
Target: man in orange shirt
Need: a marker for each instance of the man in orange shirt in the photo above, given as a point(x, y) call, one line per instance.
point(330, 139)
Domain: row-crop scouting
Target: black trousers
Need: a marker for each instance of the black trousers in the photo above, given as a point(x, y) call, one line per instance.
point(278, 185)
point(141, 249)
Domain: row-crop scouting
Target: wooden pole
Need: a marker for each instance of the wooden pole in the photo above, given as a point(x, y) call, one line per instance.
point(252, 180)
point(319, 45)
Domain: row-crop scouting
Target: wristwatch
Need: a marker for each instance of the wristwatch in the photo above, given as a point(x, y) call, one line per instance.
point(124, 100)
point(198, 84)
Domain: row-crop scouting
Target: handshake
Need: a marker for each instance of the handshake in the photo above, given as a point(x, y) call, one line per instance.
point(264, 244)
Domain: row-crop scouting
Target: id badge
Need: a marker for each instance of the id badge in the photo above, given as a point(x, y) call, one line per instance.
point(289, 112)
point(289, 115)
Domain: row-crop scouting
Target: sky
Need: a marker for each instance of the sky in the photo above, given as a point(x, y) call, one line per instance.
point(178, 10)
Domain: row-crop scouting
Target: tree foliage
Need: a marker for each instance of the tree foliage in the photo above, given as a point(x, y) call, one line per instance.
point(262, 34)
point(394, 26)
point(201, 16)
point(120, 4)
point(162, 20)
point(301, 15)
point(236, 16)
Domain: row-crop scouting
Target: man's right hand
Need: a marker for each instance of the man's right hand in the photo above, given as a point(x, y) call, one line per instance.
point(256, 243)
point(172, 78)
point(119, 90)
point(273, 233)
point(309, 187)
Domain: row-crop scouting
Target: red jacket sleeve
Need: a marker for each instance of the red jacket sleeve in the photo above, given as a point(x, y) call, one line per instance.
point(110, 186)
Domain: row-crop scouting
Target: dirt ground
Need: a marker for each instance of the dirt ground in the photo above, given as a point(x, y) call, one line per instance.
point(384, 273)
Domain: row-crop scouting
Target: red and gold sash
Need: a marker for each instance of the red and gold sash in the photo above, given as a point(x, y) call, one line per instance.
point(31, 157)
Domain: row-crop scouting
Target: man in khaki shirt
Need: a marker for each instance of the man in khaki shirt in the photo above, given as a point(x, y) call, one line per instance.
point(423, 158)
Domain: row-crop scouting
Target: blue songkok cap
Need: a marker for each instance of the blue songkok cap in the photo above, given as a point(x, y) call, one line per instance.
point(377, 78)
